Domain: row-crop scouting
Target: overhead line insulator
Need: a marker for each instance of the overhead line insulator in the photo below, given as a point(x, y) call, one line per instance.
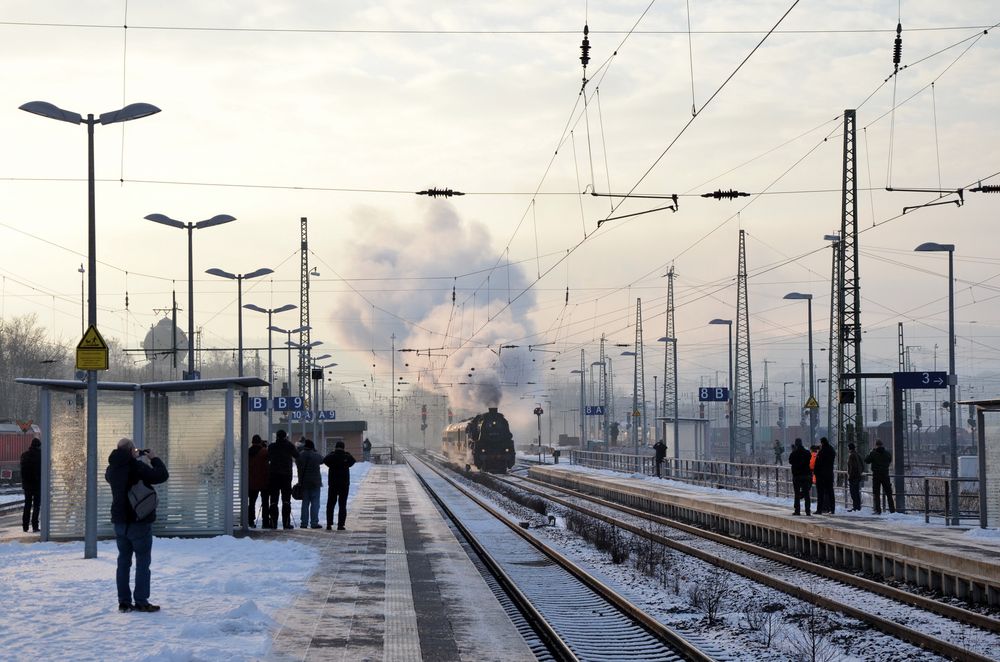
point(988, 188)
point(440, 192)
point(897, 47)
point(731, 194)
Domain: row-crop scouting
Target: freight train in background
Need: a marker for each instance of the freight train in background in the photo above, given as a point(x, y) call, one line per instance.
point(484, 442)
point(13, 442)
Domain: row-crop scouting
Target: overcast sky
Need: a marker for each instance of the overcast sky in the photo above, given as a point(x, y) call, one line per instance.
point(272, 111)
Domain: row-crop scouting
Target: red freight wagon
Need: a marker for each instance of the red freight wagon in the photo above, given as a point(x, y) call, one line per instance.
point(13, 442)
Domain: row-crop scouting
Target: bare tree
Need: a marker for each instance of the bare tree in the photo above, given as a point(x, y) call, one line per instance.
point(25, 351)
point(710, 594)
point(763, 618)
point(811, 642)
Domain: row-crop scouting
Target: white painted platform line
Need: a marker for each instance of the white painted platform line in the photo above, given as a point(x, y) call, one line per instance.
point(402, 640)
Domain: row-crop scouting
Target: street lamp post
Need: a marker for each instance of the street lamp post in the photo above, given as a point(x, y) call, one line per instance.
point(314, 365)
point(952, 377)
point(290, 344)
point(190, 227)
point(582, 405)
point(732, 419)
point(83, 328)
point(812, 396)
point(307, 347)
point(132, 111)
point(270, 359)
point(635, 404)
point(239, 278)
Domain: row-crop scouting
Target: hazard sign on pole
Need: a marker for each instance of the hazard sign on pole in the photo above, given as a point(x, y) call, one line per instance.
point(811, 403)
point(92, 351)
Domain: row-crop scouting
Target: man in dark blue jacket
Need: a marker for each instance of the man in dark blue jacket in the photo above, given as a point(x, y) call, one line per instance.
point(31, 483)
point(340, 463)
point(126, 467)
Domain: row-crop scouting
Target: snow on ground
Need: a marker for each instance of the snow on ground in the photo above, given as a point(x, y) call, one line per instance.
point(11, 497)
point(219, 597)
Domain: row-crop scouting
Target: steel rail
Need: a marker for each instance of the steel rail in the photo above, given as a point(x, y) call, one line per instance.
point(682, 646)
point(888, 627)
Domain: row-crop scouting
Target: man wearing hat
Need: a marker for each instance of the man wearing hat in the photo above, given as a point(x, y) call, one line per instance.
point(280, 456)
point(340, 463)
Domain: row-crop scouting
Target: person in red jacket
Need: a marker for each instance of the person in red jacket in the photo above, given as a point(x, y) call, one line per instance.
point(257, 484)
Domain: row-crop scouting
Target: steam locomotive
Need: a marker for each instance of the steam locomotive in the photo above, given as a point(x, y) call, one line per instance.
point(484, 442)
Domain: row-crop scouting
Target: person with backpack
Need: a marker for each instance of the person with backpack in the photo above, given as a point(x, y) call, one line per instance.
point(340, 463)
point(131, 473)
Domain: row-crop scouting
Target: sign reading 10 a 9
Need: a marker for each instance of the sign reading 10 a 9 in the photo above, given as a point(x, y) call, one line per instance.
point(713, 394)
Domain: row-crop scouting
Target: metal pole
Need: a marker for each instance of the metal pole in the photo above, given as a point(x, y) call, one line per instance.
point(732, 417)
point(270, 378)
point(812, 381)
point(239, 324)
point(90, 519)
point(190, 229)
point(677, 424)
point(392, 401)
point(952, 381)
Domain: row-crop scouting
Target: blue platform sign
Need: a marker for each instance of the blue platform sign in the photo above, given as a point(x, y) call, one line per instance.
point(713, 394)
point(321, 415)
point(594, 410)
point(908, 380)
point(291, 403)
point(256, 403)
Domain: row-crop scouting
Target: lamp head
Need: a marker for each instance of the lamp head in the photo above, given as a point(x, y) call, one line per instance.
point(46, 109)
point(281, 309)
point(164, 220)
point(275, 328)
point(259, 272)
point(215, 220)
point(133, 111)
point(797, 295)
point(666, 339)
point(934, 247)
point(250, 306)
point(721, 321)
point(220, 273)
point(831, 237)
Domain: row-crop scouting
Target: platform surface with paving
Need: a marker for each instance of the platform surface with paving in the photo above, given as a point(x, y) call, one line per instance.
point(396, 585)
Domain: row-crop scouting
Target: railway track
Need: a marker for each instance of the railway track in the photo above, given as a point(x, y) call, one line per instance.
point(577, 616)
point(921, 621)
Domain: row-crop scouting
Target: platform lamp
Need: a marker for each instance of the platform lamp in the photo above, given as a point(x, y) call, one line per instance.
point(812, 395)
point(239, 278)
point(289, 333)
point(270, 360)
point(308, 348)
point(190, 227)
point(635, 401)
point(314, 365)
point(732, 417)
point(133, 111)
point(932, 247)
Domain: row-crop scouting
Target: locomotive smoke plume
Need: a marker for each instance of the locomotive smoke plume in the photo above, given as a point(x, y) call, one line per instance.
point(421, 312)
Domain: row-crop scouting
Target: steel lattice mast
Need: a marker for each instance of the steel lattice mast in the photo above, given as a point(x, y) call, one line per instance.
point(670, 362)
point(850, 420)
point(743, 396)
point(833, 374)
point(305, 351)
point(638, 381)
point(603, 393)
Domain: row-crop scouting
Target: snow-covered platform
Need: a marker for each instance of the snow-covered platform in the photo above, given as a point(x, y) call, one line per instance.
point(397, 585)
point(951, 560)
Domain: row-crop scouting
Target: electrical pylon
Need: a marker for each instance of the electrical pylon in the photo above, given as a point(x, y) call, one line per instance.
point(670, 360)
point(305, 352)
point(743, 395)
point(833, 376)
point(639, 380)
point(850, 421)
point(603, 395)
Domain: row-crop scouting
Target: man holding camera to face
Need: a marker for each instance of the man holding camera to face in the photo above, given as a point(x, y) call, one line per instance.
point(127, 467)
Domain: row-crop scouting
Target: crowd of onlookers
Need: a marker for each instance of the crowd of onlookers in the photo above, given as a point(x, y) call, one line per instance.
point(270, 478)
point(815, 468)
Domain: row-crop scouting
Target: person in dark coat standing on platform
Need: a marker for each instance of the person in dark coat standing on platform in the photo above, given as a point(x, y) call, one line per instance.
point(311, 482)
point(802, 475)
point(134, 535)
point(826, 501)
point(855, 470)
point(31, 483)
point(366, 449)
point(661, 454)
point(778, 451)
point(881, 460)
point(257, 484)
point(340, 463)
point(280, 456)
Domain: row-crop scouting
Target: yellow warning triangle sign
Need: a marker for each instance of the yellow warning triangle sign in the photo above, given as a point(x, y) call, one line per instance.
point(811, 403)
point(92, 339)
point(637, 413)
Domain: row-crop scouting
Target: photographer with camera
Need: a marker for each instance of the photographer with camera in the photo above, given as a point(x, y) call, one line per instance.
point(131, 474)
